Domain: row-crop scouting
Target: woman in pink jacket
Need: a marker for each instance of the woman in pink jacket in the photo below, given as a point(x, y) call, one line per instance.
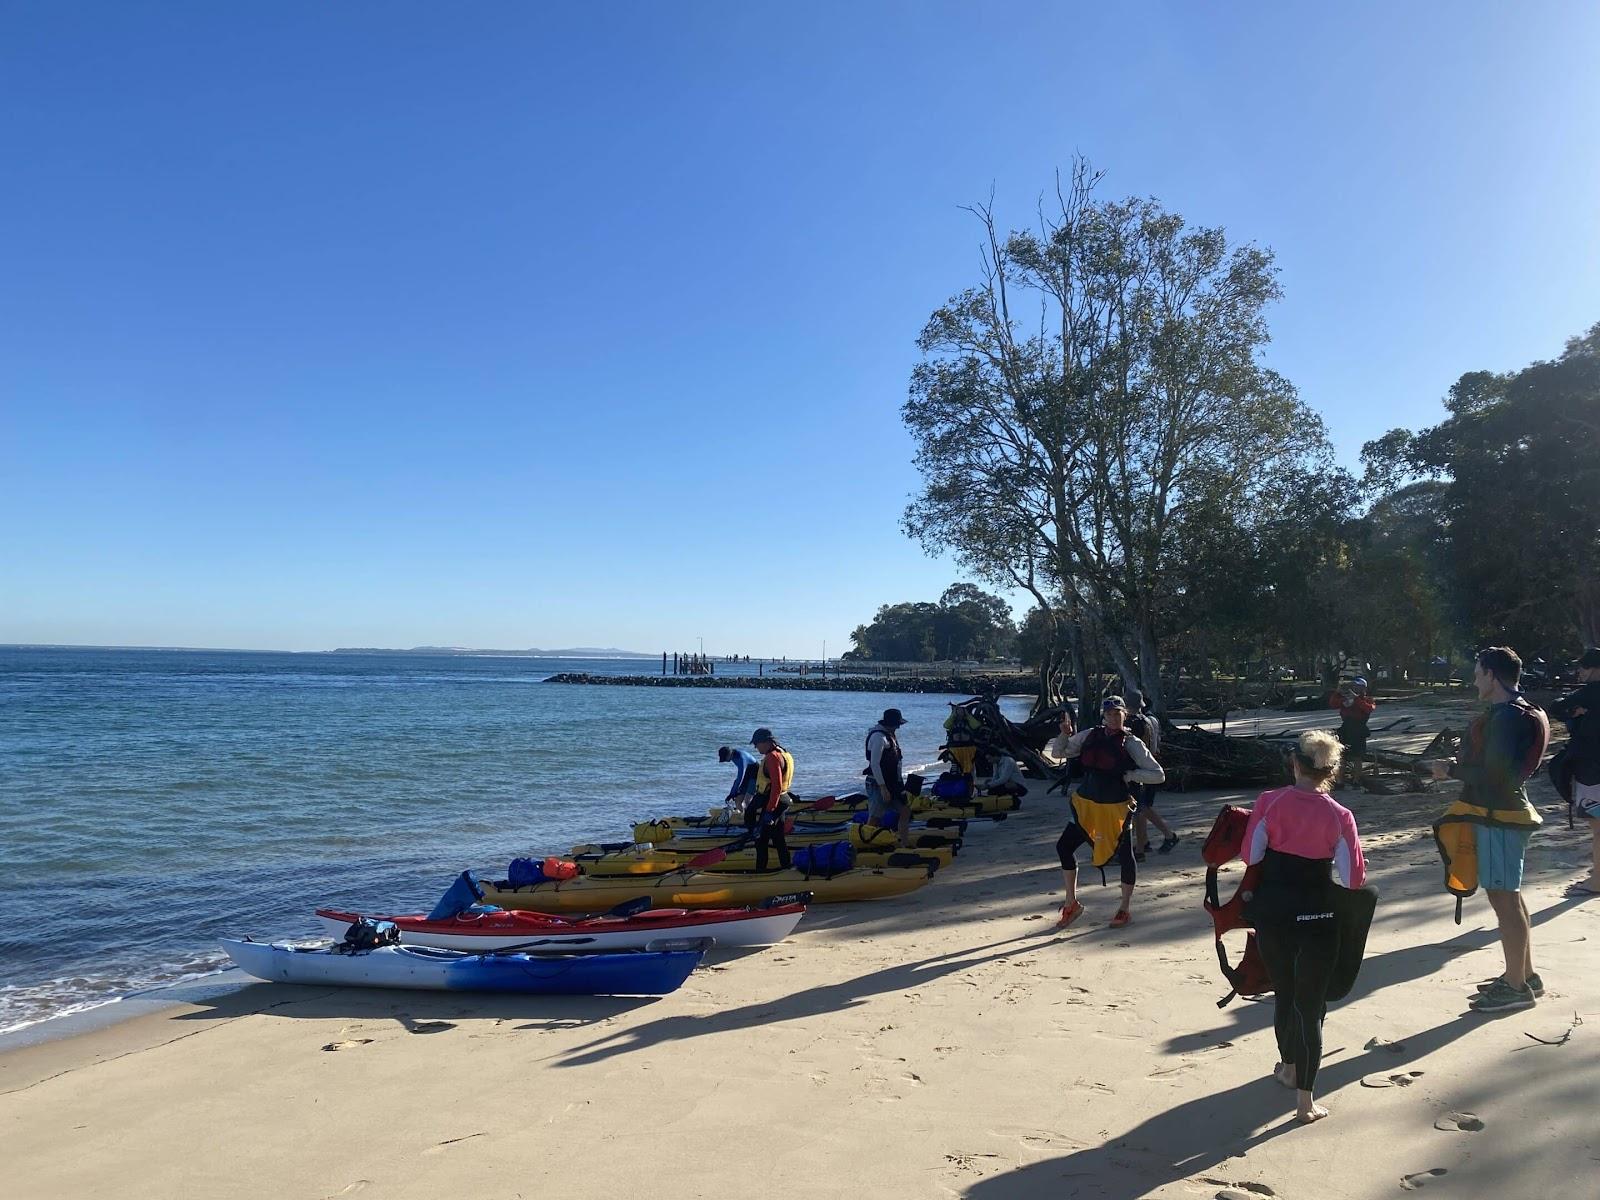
point(1306, 843)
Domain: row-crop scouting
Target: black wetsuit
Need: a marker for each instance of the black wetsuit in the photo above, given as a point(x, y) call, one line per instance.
point(1295, 914)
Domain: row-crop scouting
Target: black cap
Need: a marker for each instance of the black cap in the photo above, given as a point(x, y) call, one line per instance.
point(1590, 658)
point(762, 735)
point(892, 718)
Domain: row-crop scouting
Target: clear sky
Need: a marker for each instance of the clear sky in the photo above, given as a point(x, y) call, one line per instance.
point(536, 324)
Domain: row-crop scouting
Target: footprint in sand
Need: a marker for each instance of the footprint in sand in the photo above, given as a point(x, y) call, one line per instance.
point(1380, 1044)
point(349, 1189)
point(348, 1044)
point(1245, 1191)
point(1412, 1183)
point(412, 1025)
point(1403, 1079)
point(1459, 1122)
point(455, 1141)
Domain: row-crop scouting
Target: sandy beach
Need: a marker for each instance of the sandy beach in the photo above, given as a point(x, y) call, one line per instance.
point(946, 1043)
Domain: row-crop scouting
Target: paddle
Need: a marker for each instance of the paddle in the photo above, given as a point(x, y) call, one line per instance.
point(583, 941)
point(705, 859)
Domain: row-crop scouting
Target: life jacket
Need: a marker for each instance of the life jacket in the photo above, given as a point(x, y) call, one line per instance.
point(764, 789)
point(1455, 833)
point(1105, 761)
point(891, 751)
point(961, 728)
point(1223, 844)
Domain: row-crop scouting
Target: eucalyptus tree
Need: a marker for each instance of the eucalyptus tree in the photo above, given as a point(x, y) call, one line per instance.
point(1096, 392)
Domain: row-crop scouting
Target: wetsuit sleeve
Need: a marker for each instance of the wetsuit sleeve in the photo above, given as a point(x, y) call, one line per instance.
point(1255, 831)
point(1146, 769)
point(1349, 864)
point(875, 744)
point(1587, 697)
point(1499, 773)
point(774, 765)
point(738, 779)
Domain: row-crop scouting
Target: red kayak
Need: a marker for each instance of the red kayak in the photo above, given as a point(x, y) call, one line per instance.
point(483, 931)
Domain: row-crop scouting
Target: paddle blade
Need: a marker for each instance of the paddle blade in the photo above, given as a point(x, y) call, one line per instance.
point(823, 803)
point(630, 908)
point(700, 861)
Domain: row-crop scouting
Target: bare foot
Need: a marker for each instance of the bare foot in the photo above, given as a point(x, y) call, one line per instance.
point(1311, 1113)
point(1286, 1074)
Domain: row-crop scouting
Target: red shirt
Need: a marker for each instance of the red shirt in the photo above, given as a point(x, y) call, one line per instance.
point(1357, 711)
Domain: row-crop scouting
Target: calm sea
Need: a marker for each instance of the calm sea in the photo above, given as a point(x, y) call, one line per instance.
point(154, 801)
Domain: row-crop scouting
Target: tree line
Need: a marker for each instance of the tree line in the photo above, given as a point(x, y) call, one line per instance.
point(1095, 427)
point(965, 623)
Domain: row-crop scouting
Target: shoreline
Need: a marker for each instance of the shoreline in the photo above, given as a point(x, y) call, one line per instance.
point(905, 1017)
point(952, 685)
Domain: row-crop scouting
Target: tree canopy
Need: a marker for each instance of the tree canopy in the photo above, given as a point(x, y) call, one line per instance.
point(965, 623)
point(1093, 403)
point(1095, 425)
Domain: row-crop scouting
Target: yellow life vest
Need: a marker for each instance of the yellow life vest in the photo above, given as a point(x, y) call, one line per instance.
point(1456, 835)
point(764, 785)
point(1103, 823)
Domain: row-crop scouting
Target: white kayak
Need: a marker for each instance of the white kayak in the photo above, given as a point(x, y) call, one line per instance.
point(614, 973)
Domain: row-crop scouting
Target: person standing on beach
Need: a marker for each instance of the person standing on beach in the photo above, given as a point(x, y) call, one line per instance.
point(886, 786)
point(771, 800)
point(1113, 763)
point(1502, 749)
point(1355, 711)
point(1143, 725)
point(745, 766)
point(1304, 840)
point(1576, 770)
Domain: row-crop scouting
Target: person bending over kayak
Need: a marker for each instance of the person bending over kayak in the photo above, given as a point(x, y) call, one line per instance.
point(745, 766)
point(771, 800)
point(1113, 762)
point(1305, 840)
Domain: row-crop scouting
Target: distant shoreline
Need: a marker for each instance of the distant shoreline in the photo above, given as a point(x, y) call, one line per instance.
point(958, 685)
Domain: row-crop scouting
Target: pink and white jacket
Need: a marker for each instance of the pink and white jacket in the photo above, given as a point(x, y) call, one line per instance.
point(1308, 824)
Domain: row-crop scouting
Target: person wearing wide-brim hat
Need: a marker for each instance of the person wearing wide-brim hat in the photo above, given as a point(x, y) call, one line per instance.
point(887, 803)
point(773, 779)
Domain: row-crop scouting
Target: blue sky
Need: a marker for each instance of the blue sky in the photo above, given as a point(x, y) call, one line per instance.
point(510, 325)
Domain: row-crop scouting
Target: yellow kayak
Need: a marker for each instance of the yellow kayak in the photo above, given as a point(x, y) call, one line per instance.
point(657, 860)
point(703, 889)
point(862, 837)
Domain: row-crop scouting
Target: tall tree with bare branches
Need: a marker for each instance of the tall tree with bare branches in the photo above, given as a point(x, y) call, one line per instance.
point(1098, 388)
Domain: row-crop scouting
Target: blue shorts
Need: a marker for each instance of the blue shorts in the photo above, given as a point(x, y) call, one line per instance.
point(880, 809)
point(1500, 854)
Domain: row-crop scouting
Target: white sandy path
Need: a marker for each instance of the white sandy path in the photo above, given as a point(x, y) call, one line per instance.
point(936, 1045)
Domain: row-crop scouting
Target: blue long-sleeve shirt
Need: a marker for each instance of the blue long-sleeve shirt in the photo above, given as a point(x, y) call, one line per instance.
point(745, 766)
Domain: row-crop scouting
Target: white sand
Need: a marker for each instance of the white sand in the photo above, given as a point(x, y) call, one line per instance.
point(942, 1044)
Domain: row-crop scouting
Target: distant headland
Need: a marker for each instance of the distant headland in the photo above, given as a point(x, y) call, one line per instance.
point(567, 652)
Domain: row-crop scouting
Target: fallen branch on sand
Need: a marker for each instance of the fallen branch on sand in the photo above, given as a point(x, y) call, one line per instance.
point(1560, 1041)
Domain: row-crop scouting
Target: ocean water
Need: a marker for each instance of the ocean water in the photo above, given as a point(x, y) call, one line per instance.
point(152, 801)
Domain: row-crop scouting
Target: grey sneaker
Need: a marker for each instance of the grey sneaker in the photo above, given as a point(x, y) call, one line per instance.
point(1535, 984)
point(1500, 997)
